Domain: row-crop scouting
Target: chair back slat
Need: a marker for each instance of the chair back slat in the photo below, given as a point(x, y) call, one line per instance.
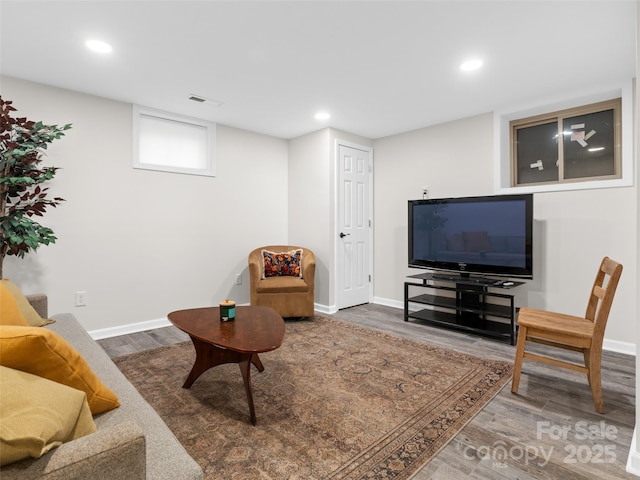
point(599, 292)
point(601, 298)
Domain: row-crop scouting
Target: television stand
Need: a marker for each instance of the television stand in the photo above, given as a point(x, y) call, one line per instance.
point(463, 303)
point(466, 279)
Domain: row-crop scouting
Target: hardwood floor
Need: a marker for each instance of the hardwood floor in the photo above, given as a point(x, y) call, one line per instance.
point(549, 430)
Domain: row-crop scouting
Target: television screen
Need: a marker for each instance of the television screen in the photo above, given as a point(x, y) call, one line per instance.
point(485, 235)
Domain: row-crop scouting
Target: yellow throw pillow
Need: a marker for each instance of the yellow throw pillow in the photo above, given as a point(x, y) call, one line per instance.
point(32, 317)
point(38, 415)
point(10, 313)
point(44, 353)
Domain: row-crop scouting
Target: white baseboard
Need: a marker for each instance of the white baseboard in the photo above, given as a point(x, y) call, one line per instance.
point(109, 332)
point(129, 328)
point(610, 345)
point(326, 309)
point(620, 347)
point(633, 461)
point(387, 302)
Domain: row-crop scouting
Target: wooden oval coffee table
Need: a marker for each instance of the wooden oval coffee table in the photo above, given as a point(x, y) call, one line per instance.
point(255, 330)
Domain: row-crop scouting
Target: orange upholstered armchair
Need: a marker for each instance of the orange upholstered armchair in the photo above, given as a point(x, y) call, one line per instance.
point(282, 277)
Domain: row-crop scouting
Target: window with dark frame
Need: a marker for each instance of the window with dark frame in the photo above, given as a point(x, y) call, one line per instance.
point(572, 145)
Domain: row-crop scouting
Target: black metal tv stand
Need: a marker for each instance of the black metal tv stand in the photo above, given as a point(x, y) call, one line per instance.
point(465, 279)
point(463, 303)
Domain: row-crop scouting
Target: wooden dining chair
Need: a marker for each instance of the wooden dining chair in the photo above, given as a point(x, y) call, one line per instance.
point(572, 333)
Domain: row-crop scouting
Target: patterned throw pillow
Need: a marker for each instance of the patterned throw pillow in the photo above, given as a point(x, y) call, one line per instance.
point(282, 264)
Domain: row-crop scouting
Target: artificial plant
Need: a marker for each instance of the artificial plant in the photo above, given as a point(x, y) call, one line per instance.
point(22, 175)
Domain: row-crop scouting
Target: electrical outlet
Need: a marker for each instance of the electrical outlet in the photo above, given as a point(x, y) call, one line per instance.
point(81, 299)
point(239, 279)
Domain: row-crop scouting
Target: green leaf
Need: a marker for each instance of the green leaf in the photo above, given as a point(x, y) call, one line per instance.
point(22, 145)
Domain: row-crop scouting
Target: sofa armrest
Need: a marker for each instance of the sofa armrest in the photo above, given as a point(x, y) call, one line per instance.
point(115, 452)
point(39, 302)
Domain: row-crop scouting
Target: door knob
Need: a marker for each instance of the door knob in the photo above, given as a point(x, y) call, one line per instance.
point(342, 235)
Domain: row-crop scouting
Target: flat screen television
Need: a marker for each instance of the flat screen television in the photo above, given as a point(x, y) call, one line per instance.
point(489, 235)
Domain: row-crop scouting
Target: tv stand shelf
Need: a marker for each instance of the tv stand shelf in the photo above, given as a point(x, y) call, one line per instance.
point(463, 303)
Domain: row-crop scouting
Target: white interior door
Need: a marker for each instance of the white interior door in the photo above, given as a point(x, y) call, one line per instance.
point(354, 226)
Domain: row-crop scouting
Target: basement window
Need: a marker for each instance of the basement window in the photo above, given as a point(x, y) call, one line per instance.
point(584, 142)
point(173, 143)
point(572, 145)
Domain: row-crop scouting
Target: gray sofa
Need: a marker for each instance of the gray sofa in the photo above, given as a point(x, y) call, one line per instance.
point(132, 441)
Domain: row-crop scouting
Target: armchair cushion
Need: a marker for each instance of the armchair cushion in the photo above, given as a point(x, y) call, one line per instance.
point(282, 285)
point(282, 264)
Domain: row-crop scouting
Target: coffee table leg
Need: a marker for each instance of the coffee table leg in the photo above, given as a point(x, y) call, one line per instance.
point(207, 356)
point(256, 361)
point(245, 369)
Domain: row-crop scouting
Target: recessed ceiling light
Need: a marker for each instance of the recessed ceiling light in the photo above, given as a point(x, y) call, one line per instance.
point(470, 65)
point(322, 116)
point(98, 46)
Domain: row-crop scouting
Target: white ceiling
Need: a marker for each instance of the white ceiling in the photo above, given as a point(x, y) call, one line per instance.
point(379, 67)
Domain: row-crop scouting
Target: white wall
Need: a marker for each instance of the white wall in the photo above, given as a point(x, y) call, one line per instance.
point(144, 243)
point(450, 159)
point(312, 210)
point(572, 230)
point(309, 214)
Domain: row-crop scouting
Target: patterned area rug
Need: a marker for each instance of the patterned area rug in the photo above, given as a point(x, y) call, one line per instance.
point(335, 401)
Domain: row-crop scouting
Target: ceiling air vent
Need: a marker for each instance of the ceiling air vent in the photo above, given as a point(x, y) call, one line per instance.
point(201, 99)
